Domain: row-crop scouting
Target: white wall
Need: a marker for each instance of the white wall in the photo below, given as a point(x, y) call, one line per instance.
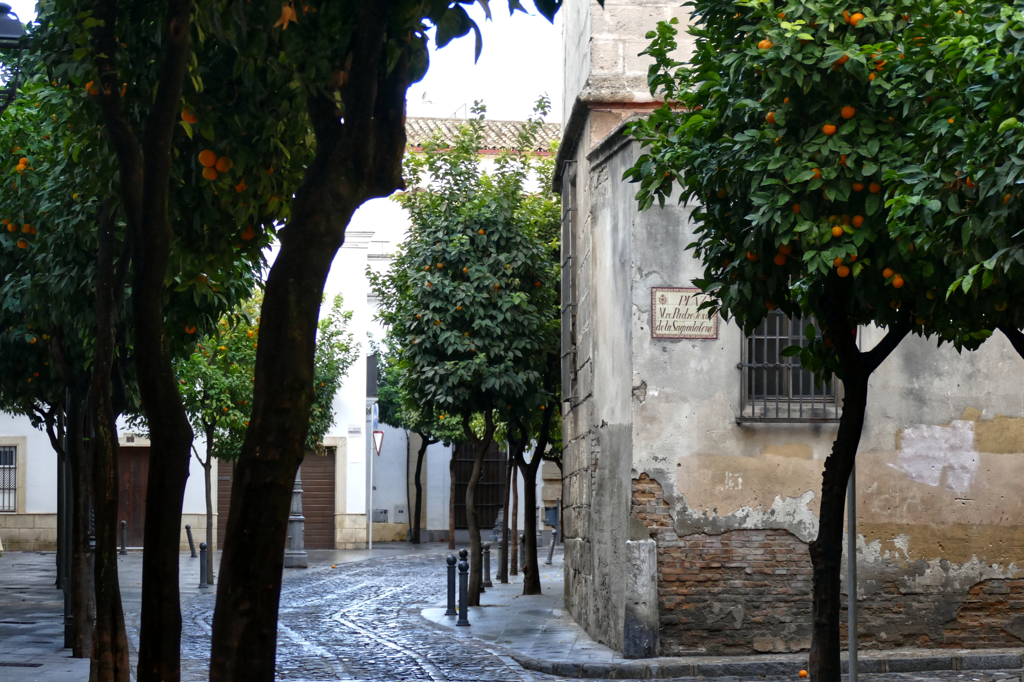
point(41, 465)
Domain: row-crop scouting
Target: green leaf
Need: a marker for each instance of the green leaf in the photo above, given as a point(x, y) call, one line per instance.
point(872, 204)
point(1008, 124)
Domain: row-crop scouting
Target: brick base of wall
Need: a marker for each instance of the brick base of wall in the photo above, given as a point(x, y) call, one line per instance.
point(749, 591)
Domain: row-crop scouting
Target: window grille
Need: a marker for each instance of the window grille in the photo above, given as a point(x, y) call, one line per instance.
point(8, 479)
point(777, 388)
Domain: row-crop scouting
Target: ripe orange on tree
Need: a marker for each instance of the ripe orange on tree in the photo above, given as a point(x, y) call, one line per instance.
point(828, 129)
point(770, 117)
point(189, 116)
point(751, 256)
point(247, 233)
point(210, 173)
point(887, 273)
point(897, 282)
point(207, 158)
point(843, 271)
point(780, 259)
point(858, 187)
point(858, 220)
point(786, 249)
point(874, 188)
point(22, 244)
point(817, 173)
point(837, 231)
point(848, 112)
point(480, 231)
point(224, 164)
point(855, 19)
point(839, 62)
point(796, 208)
point(765, 44)
point(836, 262)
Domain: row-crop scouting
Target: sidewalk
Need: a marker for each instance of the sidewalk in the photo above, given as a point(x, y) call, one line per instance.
point(539, 634)
point(31, 608)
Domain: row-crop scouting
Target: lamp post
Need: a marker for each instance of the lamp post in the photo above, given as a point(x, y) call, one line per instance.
point(12, 37)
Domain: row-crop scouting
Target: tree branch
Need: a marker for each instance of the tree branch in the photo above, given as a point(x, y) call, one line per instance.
point(877, 355)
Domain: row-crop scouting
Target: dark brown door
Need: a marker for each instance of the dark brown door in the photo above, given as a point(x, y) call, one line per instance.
point(318, 499)
point(133, 470)
point(490, 489)
point(225, 471)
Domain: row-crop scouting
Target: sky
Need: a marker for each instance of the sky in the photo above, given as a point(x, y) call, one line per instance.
point(521, 61)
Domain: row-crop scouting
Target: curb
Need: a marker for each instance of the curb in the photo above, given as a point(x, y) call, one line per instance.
point(666, 668)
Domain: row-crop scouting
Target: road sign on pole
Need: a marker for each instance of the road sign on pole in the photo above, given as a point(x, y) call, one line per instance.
point(375, 415)
point(378, 440)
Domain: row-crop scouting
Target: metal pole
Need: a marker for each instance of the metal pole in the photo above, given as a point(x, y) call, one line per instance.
point(370, 539)
point(851, 567)
point(551, 547)
point(202, 566)
point(124, 538)
point(487, 565)
point(191, 545)
point(463, 588)
point(522, 551)
point(451, 586)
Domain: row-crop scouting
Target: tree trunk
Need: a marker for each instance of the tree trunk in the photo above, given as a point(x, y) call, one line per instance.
point(61, 511)
point(83, 611)
point(503, 566)
point(480, 446)
point(416, 516)
point(826, 549)
point(514, 529)
point(451, 500)
point(110, 642)
point(207, 469)
point(531, 572)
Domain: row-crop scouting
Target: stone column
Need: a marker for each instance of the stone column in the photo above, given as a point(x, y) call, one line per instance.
point(295, 556)
point(640, 626)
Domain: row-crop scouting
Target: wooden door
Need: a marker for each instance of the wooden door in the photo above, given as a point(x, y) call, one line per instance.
point(225, 474)
point(318, 499)
point(490, 489)
point(133, 472)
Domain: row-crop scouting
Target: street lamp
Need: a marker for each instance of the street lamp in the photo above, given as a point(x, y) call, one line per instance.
point(12, 35)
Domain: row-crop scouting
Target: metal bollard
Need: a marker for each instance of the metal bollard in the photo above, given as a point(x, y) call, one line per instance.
point(463, 588)
point(124, 538)
point(191, 545)
point(202, 566)
point(551, 547)
point(522, 551)
point(487, 565)
point(451, 586)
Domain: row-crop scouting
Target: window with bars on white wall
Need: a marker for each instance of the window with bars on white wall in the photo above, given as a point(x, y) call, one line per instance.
point(777, 388)
point(8, 478)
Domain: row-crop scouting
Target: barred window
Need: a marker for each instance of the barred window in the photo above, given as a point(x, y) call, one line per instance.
point(8, 478)
point(777, 388)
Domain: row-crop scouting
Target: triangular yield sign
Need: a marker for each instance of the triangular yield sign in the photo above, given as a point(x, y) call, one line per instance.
point(378, 440)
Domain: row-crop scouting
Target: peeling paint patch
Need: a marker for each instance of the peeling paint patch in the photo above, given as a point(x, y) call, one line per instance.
point(640, 392)
point(939, 455)
point(790, 514)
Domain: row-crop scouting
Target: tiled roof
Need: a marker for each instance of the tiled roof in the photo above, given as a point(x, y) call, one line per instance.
point(497, 134)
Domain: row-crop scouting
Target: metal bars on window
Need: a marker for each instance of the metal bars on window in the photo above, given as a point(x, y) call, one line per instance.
point(776, 388)
point(8, 479)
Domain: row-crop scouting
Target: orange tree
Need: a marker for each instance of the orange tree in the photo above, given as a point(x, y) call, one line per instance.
point(783, 131)
point(958, 195)
point(337, 73)
point(471, 301)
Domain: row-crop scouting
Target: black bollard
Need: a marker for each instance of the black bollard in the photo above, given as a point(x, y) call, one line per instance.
point(551, 547)
point(191, 545)
point(124, 538)
point(451, 586)
point(202, 566)
point(487, 565)
point(463, 588)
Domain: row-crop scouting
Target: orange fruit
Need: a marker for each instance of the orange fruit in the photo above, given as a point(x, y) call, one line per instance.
point(969, 183)
point(22, 244)
point(846, 15)
point(770, 306)
point(751, 256)
point(853, 258)
point(247, 233)
point(879, 65)
point(796, 208)
point(210, 173)
point(887, 273)
point(858, 187)
point(23, 161)
point(871, 76)
point(786, 249)
point(855, 19)
point(874, 188)
point(764, 44)
point(836, 262)
point(11, 227)
point(26, 228)
point(842, 60)
point(537, 283)
point(842, 159)
point(440, 265)
point(480, 231)
point(207, 158)
point(843, 271)
point(837, 231)
point(721, 194)
point(828, 129)
point(845, 219)
point(241, 187)
point(224, 164)
point(91, 88)
point(770, 117)
point(189, 116)
point(847, 112)
point(780, 259)
point(858, 220)
point(817, 173)
point(782, 15)
point(1006, 199)
point(952, 120)
point(426, 268)
point(785, 101)
point(803, 673)
point(897, 282)
point(465, 270)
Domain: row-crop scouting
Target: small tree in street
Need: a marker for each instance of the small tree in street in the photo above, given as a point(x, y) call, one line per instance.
point(470, 296)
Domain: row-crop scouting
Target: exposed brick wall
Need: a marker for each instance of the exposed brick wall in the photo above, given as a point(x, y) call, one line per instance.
point(749, 591)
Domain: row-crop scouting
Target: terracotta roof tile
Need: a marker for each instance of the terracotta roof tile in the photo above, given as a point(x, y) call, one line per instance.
point(497, 134)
